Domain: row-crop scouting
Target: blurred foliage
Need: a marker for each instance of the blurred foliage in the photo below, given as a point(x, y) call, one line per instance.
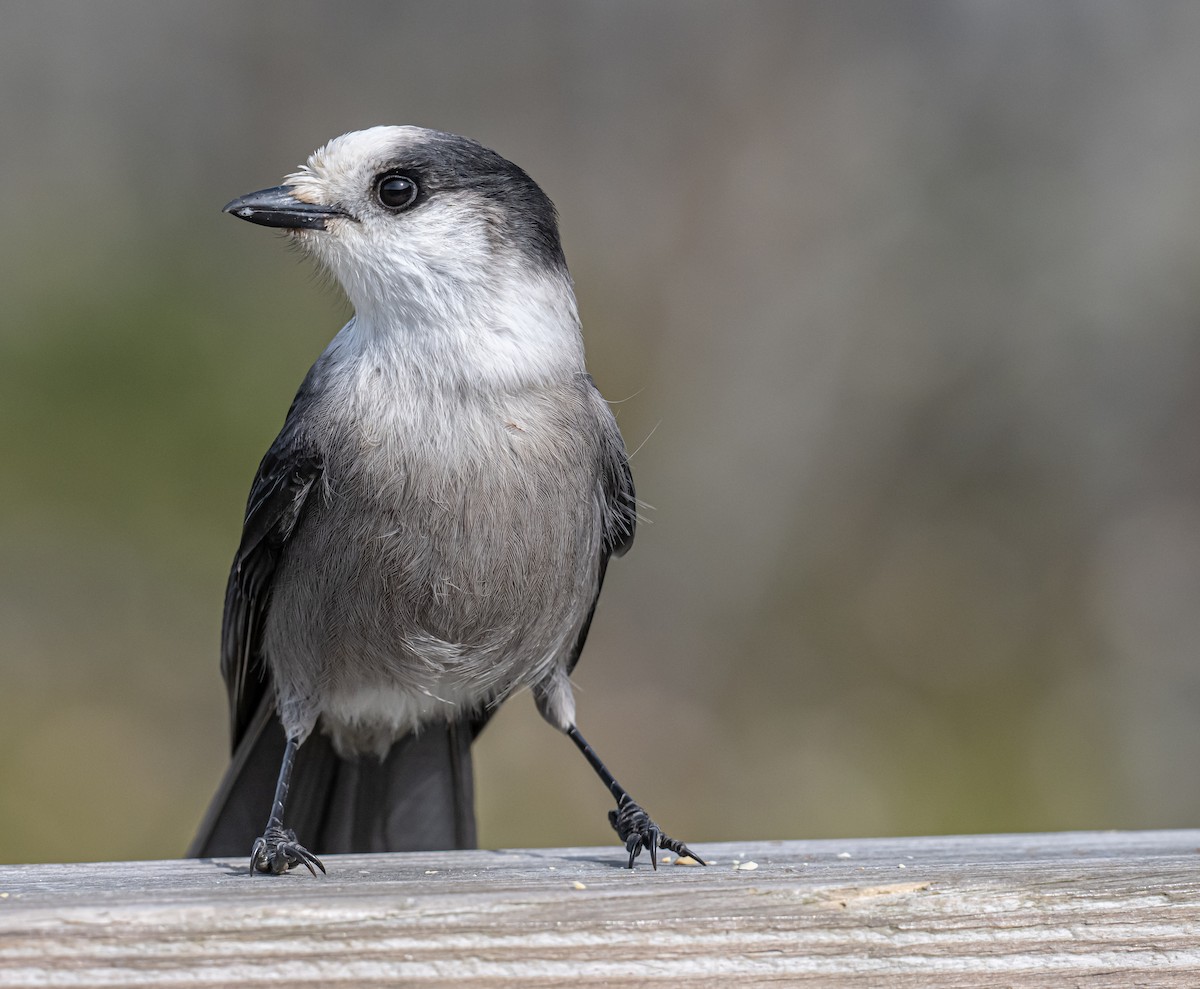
point(898, 304)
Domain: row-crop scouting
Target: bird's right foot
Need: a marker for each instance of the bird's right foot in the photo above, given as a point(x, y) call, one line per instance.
point(278, 850)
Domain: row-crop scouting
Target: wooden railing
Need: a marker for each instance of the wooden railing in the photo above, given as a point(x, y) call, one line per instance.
point(1058, 910)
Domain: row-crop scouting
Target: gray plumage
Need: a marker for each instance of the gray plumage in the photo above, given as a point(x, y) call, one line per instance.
point(431, 528)
point(428, 577)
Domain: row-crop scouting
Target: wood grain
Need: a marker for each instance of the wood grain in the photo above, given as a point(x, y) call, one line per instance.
point(1080, 909)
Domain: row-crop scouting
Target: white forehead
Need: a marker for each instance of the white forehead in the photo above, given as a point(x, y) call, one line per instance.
point(345, 155)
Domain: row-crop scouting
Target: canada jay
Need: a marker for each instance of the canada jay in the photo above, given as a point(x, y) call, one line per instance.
point(429, 532)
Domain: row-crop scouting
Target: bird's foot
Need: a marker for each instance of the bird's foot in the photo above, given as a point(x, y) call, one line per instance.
point(634, 827)
point(278, 850)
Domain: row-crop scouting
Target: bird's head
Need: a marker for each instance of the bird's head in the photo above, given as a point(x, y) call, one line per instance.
point(424, 227)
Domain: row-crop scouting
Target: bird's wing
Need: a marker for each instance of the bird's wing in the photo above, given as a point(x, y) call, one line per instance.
point(278, 497)
point(618, 501)
point(618, 506)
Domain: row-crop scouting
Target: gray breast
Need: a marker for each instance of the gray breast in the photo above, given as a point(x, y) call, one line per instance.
point(451, 557)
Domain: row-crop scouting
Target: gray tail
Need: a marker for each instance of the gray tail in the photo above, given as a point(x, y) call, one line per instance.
point(420, 796)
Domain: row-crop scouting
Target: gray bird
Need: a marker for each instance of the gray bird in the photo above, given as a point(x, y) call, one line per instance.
point(430, 530)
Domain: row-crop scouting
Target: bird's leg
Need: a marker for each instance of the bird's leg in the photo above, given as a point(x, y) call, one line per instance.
point(632, 824)
point(278, 850)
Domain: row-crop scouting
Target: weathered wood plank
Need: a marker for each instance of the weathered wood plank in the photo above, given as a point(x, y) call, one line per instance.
point(1086, 909)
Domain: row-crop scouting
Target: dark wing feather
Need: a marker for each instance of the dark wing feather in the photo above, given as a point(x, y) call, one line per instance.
point(620, 502)
point(278, 497)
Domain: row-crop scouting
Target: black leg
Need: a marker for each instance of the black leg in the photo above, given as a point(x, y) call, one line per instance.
point(632, 824)
point(277, 850)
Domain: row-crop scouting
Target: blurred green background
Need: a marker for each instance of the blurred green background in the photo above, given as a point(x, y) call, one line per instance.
point(899, 301)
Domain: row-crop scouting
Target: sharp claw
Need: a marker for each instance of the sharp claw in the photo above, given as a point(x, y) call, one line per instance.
point(309, 859)
point(679, 848)
point(258, 859)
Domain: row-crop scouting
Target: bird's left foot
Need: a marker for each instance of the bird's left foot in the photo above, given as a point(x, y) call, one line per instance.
point(277, 851)
point(634, 827)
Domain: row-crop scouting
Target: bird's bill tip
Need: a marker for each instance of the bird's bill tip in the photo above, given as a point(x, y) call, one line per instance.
point(278, 207)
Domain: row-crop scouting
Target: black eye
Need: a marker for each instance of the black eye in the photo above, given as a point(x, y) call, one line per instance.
point(396, 192)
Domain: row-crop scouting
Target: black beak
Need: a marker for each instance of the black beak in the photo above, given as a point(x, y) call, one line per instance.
point(277, 207)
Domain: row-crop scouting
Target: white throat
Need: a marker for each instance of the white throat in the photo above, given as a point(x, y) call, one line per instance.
point(508, 329)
